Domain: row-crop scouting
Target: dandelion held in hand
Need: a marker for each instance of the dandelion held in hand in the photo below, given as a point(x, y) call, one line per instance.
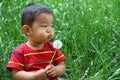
point(56, 44)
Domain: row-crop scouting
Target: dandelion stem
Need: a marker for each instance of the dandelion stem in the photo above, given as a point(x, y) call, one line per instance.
point(52, 57)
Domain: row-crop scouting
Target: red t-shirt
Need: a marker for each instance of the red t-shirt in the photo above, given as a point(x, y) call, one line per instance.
point(27, 59)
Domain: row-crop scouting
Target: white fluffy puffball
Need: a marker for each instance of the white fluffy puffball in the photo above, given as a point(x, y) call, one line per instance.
point(57, 44)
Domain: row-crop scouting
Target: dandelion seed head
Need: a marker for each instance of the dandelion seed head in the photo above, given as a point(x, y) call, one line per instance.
point(57, 44)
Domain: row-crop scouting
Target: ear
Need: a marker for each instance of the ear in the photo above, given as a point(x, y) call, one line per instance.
point(26, 30)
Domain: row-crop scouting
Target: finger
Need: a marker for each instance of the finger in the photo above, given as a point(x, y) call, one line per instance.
point(47, 75)
point(52, 74)
point(50, 71)
point(48, 67)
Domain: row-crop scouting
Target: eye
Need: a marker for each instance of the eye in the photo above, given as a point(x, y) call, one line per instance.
point(44, 25)
point(51, 26)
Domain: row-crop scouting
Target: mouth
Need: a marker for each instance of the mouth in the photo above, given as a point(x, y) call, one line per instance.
point(50, 36)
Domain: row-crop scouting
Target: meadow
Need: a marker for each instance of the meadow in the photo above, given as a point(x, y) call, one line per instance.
point(88, 29)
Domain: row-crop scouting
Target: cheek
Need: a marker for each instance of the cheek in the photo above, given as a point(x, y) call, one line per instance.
point(37, 32)
point(53, 33)
point(41, 33)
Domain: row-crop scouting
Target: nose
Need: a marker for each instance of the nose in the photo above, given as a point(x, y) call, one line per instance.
point(49, 30)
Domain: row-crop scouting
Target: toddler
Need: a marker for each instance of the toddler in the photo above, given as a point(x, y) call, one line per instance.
point(30, 60)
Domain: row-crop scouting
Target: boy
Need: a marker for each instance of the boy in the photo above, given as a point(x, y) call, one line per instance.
point(30, 60)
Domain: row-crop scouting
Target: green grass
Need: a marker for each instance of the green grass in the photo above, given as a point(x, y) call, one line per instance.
point(89, 30)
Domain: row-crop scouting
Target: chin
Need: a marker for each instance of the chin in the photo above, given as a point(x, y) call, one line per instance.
point(46, 41)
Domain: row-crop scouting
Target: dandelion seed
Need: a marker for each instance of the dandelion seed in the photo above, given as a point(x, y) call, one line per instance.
point(57, 44)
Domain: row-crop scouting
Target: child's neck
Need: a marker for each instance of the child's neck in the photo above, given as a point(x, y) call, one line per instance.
point(35, 45)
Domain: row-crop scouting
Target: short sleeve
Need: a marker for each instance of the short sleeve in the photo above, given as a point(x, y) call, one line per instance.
point(16, 61)
point(59, 57)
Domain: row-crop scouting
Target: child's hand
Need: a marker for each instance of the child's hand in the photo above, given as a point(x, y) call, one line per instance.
point(51, 71)
point(42, 74)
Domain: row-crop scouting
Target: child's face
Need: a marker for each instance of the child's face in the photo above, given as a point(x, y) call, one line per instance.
point(42, 30)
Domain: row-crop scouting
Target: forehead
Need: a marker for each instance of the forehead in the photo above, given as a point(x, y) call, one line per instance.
point(44, 18)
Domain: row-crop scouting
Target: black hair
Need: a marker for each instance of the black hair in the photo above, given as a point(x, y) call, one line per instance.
point(30, 12)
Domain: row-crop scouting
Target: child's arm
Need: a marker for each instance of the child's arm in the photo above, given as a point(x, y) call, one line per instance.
point(34, 75)
point(57, 70)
